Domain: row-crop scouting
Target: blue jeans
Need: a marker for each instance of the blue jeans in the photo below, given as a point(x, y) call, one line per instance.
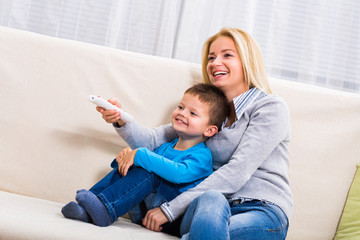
point(210, 216)
point(121, 194)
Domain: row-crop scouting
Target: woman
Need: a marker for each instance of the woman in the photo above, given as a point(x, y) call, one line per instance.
point(248, 196)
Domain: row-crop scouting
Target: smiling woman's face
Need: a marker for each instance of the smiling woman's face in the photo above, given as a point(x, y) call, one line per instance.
point(224, 67)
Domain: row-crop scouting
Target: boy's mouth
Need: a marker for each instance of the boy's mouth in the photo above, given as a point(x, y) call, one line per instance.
point(179, 120)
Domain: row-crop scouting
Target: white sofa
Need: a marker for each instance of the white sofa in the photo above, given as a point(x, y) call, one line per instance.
point(53, 142)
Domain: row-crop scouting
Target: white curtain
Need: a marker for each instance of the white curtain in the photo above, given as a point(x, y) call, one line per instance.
point(316, 42)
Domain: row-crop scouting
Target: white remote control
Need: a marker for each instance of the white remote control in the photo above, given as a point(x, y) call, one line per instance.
point(126, 117)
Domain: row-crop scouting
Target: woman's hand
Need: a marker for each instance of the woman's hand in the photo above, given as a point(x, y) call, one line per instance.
point(111, 116)
point(125, 160)
point(154, 218)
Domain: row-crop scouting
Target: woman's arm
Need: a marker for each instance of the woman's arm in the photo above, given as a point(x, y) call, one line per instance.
point(137, 135)
point(269, 125)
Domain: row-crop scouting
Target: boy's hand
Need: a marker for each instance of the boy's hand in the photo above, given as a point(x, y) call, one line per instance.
point(111, 116)
point(125, 160)
point(154, 218)
point(123, 153)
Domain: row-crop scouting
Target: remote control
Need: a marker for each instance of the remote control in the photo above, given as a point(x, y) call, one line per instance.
point(126, 117)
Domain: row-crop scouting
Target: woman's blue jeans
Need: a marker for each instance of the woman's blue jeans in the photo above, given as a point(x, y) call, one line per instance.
point(210, 216)
point(121, 194)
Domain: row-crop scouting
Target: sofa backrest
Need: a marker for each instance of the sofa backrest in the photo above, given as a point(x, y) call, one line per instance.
point(53, 142)
point(324, 151)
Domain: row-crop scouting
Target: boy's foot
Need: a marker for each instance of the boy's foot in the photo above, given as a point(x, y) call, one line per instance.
point(94, 207)
point(73, 210)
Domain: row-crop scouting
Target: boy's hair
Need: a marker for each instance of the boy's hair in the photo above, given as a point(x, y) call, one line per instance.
point(218, 103)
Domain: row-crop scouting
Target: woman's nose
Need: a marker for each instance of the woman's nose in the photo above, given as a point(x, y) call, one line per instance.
point(217, 61)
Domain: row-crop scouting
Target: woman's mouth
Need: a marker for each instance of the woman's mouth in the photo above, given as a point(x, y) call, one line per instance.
point(219, 73)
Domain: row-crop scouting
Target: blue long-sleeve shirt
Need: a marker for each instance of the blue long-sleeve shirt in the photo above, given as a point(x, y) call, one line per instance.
point(176, 166)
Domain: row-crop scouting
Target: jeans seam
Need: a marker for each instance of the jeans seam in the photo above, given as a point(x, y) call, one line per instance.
point(108, 206)
point(228, 223)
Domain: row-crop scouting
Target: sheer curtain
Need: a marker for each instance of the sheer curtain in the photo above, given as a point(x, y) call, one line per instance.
point(315, 42)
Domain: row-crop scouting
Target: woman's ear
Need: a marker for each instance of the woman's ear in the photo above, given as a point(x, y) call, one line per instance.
point(210, 131)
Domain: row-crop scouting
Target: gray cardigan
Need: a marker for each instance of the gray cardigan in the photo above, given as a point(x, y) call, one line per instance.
point(251, 159)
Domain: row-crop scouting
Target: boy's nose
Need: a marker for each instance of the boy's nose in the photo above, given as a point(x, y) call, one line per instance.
point(181, 114)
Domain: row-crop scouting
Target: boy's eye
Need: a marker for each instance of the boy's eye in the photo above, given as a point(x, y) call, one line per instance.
point(193, 114)
point(180, 107)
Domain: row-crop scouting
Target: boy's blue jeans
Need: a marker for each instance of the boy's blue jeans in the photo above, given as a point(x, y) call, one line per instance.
point(210, 216)
point(122, 194)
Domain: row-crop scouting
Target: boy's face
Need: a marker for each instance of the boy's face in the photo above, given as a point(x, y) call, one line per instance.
point(191, 117)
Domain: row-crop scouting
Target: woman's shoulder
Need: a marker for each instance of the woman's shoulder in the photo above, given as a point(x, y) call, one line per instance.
point(273, 101)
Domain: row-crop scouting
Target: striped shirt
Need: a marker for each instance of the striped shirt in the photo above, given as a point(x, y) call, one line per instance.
point(244, 100)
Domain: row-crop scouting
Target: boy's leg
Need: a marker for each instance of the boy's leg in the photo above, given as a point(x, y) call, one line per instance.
point(137, 213)
point(122, 195)
point(73, 210)
point(152, 200)
point(106, 181)
point(169, 191)
point(94, 207)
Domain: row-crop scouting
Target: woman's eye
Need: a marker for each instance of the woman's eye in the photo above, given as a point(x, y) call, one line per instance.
point(211, 58)
point(228, 55)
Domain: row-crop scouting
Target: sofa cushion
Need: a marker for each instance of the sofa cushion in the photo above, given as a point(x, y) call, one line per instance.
point(349, 226)
point(24, 217)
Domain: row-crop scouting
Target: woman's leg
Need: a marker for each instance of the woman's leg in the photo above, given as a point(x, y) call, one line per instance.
point(210, 217)
point(257, 220)
point(207, 217)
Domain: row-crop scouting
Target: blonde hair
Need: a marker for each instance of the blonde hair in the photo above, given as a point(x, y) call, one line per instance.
point(250, 56)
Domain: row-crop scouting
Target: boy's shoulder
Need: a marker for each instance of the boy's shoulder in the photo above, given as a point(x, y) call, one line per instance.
point(166, 145)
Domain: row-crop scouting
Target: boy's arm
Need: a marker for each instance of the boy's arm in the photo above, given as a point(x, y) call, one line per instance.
point(194, 166)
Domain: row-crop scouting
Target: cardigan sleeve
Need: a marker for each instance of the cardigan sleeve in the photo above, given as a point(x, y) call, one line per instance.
point(137, 135)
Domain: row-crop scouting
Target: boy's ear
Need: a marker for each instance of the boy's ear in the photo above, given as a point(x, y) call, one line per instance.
point(210, 131)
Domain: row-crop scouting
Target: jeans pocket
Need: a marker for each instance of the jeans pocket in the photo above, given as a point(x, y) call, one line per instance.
point(279, 217)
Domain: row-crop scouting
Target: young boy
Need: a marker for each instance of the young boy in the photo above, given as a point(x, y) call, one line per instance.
point(170, 170)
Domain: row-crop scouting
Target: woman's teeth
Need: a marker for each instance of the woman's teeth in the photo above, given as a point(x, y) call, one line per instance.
point(219, 73)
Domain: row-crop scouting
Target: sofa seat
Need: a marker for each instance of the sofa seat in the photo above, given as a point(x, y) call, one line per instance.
point(23, 217)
